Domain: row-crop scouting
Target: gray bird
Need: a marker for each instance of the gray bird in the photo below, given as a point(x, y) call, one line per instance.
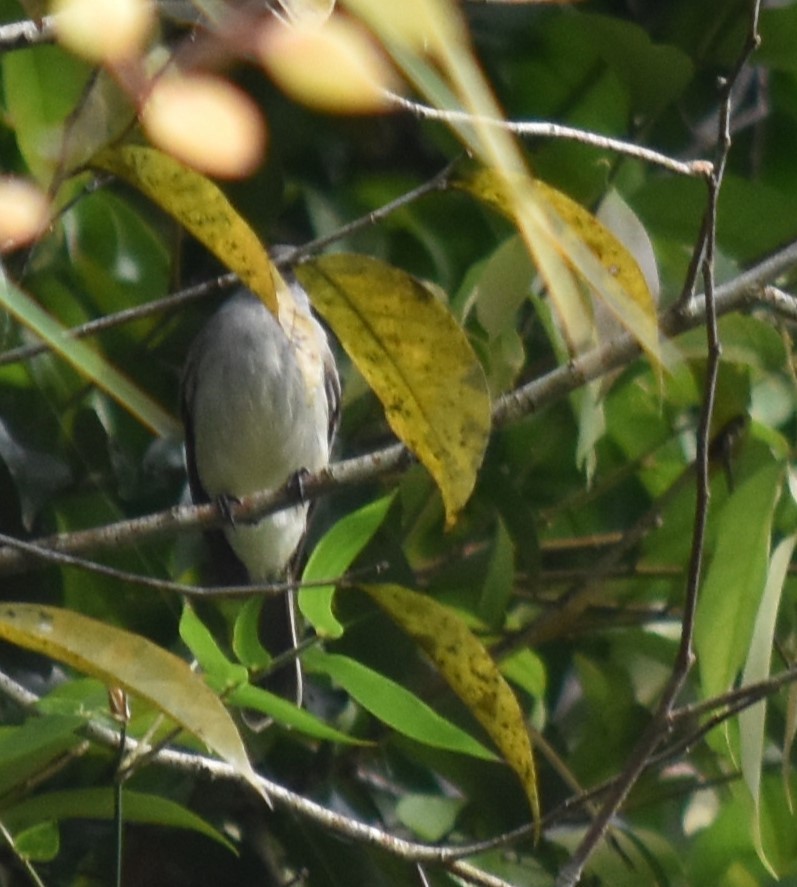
point(260, 403)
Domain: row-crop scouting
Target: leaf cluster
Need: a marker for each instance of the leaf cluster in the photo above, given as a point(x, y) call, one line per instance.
point(494, 604)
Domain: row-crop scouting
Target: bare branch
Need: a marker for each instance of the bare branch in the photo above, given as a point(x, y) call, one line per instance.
point(21, 35)
point(741, 292)
point(542, 129)
point(205, 767)
point(657, 728)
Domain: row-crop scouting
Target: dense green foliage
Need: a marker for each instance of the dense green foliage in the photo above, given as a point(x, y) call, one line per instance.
point(584, 626)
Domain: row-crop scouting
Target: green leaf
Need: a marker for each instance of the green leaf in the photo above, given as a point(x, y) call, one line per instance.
point(470, 672)
point(752, 719)
point(332, 556)
point(394, 705)
point(735, 580)
point(28, 748)
point(525, 668)
point(286, 713)
point(221, 673)
point(86, 360)
point(98, 803)
point(499, 581)
point(246, 636)
point(411, 351)
point(431, 817)
point(120, 658)
point(39, 843)
point(41, 87)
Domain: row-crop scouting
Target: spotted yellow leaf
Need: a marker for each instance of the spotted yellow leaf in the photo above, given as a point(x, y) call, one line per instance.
point(200, 207)
point(470, 672)
point(416, 358)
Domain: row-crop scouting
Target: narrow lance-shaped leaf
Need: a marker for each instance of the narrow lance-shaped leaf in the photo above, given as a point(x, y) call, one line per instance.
point(98, 803)
point(735, 580)
point(416, 358)
point(142, 668)
point(751, 720)
point(394, 705)
point(332, 556)
point(86, 360)
point(200, 207)
point(470, 672)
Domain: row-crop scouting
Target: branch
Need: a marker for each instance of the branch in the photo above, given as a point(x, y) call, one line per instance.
point(21, 35)
point(205, 767)
point(284, 257)
point(743, 291)
point(658, 726)
point(542, 129)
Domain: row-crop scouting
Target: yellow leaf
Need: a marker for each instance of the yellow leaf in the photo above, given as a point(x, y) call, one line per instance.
point(416, 358)
point(470, 672)
point(592, 251)
point(200, 207)
point(120, 658)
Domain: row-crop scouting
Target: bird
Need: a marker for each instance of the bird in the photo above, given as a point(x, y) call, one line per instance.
point(260, 402)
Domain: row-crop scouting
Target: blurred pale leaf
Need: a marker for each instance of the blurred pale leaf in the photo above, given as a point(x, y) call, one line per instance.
point(335, 66)
point(207, 123)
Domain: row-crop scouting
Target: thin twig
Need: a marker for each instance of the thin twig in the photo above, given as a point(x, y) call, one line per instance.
point(21, 35)
point(204, 767)
point(544, 129)
point(515, 405)
point(61, 558)
point(119, 318)
point(284, 257)
point(571, 873)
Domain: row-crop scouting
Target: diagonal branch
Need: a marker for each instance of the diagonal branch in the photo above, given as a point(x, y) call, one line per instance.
point(744, 291)
point(339, 823)
point(22, 34)
point(659, 724)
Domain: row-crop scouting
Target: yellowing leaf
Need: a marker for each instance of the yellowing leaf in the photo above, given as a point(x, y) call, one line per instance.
point(200, 207)
point(142, 668)
point(589, 249)
point(417, 359)
point(470, 672)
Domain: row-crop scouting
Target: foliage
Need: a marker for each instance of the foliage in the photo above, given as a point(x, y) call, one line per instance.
point(502, 606)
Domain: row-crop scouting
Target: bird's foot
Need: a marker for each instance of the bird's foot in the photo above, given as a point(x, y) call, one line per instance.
point(225, 503)
point(295, 483)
